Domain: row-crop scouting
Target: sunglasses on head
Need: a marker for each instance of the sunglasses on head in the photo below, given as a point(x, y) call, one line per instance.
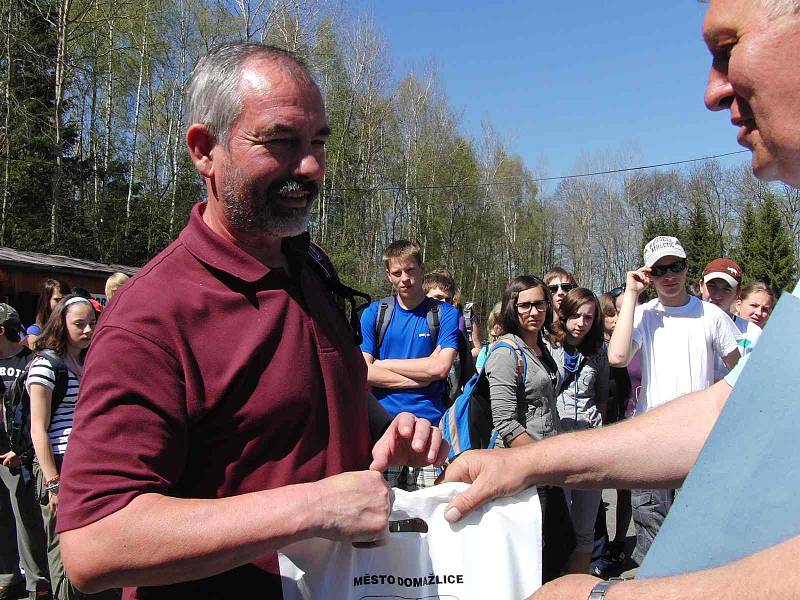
point(564, 286)
point(677, 267)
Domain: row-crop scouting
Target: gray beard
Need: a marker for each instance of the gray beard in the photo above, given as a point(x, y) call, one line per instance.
point(253, 213)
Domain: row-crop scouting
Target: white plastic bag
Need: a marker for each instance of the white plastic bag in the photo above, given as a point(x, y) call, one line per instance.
point(493, 553)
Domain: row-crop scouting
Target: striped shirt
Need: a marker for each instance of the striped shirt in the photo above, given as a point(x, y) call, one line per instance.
point(61, 422)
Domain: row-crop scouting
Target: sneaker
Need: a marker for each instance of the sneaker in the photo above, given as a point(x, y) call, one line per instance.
point(616, 552)
point(13, 592)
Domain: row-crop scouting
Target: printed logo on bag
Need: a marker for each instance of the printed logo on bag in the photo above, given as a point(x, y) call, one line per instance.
point(428, 580)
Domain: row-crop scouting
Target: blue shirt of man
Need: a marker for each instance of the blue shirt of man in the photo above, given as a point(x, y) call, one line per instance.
point(408, 336)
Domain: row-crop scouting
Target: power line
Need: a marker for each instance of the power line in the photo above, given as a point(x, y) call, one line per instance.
point(514, 180)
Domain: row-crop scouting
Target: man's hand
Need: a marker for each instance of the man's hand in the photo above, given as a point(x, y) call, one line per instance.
point(9, 459)
point(571, 587)
point(355, 506)
point(409, 441)
point(492, 473)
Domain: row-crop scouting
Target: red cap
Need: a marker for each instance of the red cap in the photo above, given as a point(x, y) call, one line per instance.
point(723, 268)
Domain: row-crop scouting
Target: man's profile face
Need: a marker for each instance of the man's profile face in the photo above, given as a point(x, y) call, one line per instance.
point(718, 292)
point(272, 167)
point(405, 275)
point(754, 74)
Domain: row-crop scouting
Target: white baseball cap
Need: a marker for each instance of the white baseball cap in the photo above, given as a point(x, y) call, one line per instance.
point(661, 246)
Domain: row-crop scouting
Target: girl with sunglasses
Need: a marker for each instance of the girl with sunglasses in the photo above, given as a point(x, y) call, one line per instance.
point(577, 347)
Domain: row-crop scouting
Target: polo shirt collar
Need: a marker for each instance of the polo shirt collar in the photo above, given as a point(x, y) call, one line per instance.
point(218, 253)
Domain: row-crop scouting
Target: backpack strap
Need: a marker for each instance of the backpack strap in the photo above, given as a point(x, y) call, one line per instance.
point(522, 372)
point(468, 318)
point(384, 317)
point(385, 311)
point(62, 377)
point(433, 324)
point(342, 294)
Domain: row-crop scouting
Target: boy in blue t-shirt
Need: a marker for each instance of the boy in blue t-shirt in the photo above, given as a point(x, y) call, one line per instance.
point(407, 371)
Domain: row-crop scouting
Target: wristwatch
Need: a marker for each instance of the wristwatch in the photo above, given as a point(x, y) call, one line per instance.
point(599, 591)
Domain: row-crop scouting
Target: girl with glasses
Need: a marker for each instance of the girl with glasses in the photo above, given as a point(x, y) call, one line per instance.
point(525, 315)
point(577, 346)
point(524, 408)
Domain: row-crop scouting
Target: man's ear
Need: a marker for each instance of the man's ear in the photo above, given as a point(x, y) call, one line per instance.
point(201, 144)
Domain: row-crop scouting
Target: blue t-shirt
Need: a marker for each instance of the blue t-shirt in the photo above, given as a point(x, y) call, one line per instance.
point(408, 336)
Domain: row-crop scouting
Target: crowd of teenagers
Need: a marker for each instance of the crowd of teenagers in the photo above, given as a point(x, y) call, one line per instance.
point(237, 418)
point(587, 361)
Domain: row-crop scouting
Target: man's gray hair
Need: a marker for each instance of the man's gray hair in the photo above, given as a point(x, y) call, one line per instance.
point(775, 8)
point(214, 95)
point(781, 8)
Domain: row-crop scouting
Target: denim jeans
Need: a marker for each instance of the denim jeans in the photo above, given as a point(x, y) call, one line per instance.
point(650, 508)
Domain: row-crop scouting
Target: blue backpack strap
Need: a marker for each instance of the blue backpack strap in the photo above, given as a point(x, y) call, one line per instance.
point(522, 372)
point(385, 311)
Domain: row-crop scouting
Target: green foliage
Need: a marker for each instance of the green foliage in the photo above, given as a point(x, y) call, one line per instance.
point(767, 248)
point(398, 162)
point(661, 224)
point(700, 243)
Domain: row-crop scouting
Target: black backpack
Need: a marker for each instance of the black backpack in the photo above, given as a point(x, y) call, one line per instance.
point(17, 403)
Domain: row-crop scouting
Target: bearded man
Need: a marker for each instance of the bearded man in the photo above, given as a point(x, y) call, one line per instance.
point(224, 411)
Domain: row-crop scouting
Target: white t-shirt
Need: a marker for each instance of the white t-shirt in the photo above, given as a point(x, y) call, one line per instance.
point(679, 345)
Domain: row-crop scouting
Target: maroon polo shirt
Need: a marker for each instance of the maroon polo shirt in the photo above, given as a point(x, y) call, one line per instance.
point(211, 375)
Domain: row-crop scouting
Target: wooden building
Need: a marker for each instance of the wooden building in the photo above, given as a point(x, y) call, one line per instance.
point(22, 274)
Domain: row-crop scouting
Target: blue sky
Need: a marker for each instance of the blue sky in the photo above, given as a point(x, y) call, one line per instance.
point(607, 78)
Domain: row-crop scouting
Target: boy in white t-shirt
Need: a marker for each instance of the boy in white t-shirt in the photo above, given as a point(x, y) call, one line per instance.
point(719, 285)
point(680, 338)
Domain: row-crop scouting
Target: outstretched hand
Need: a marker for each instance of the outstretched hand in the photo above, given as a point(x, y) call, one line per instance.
point(493, 474)
point(409, 441)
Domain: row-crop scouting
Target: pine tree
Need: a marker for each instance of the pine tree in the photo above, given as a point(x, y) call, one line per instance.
point(773, 257)
point(661, 225)
point(747, 235)
point(700, 243)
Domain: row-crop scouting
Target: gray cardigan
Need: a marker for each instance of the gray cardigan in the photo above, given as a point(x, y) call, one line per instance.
point(541, 414)
point(580, 401)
